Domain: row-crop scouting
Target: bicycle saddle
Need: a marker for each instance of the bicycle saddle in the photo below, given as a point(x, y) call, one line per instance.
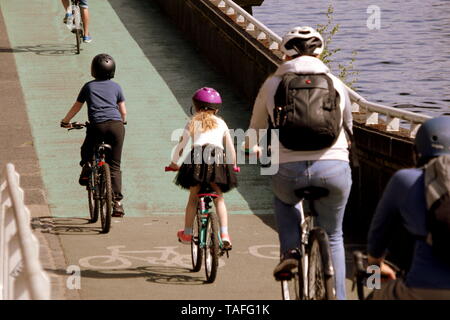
point(311, 193)
point(206, 190)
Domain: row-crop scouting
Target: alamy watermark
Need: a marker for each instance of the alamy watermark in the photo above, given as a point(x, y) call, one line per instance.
point(267, 143)
point(374, 280)
point(73, 281)
point(374, 20)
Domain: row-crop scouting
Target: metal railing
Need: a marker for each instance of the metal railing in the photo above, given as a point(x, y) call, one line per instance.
point(393, 119)
point(21, 273)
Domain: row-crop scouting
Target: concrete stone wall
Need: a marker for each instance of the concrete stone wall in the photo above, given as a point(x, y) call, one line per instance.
point(247, 63)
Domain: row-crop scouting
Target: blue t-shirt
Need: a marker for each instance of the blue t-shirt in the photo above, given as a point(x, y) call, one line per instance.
point(404, 197)
point(101, 97)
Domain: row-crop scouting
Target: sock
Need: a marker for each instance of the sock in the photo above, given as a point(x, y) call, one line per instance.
point(187, 231)
point(224, 230)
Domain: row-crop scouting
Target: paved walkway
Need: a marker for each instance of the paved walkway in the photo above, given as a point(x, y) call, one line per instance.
point(158, 70)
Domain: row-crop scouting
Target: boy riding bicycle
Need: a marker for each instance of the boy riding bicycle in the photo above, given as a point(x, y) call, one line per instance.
point(107, 116)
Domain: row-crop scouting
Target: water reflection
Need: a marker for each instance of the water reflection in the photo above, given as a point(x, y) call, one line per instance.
point(404, 63)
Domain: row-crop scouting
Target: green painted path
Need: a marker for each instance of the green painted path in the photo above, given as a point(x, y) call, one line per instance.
point(158, 71)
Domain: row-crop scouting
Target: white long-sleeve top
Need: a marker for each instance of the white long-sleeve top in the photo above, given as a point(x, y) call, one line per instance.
point(216, 137)
point(265, 103)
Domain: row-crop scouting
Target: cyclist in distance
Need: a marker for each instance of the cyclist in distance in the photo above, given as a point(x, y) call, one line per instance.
point(404, 202)
point(84, 17)
point(107, 115)
point(328, 168)
point(207, 163)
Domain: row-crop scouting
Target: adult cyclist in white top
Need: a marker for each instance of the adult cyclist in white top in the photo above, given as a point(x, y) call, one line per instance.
point(328, 168)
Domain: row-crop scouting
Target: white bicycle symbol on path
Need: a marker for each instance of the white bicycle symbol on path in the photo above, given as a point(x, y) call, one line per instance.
point(121, 259)
point(161, 256)
point(265, 251)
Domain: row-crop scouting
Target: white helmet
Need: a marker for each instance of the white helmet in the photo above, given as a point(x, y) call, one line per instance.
point(302, 33)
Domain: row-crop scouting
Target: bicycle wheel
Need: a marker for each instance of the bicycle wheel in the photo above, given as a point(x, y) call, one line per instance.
point(196, 251)
point(78, 39)
point(93, 212)
point(212, 248)
point(292, 289)
point(321, 285)
point(77, 25)
point(105, 192)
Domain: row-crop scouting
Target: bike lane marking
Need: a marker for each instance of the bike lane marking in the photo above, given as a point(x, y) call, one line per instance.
point(122, 257)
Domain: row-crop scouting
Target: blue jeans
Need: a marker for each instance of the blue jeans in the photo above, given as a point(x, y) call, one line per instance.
point(334, 175)
point(83, 4)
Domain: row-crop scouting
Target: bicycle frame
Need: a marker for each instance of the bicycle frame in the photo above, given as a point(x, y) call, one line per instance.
point(204, 205)
point(305, 226)
point(78, 23)
point(97, 161)
point(310, 236)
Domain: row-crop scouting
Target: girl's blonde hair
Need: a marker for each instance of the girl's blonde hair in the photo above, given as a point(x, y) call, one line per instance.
point(203, 120)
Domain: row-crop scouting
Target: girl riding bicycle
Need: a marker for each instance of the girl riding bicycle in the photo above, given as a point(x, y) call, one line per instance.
point(207, 165)
point(106, 112)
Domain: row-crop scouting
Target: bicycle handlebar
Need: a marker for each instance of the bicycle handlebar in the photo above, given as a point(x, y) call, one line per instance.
point(77, 125)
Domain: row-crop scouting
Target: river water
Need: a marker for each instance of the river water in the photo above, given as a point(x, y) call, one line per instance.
point(402, 59)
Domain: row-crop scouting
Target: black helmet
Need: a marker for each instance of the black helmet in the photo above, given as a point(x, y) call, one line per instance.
point(103, 67)
point(433, 138)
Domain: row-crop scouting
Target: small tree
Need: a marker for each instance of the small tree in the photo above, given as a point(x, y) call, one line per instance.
point(347, 73)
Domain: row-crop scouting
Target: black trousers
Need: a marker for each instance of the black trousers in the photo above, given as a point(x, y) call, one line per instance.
point(111, 132)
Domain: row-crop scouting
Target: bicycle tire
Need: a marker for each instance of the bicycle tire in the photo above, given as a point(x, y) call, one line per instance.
point(291, 289)
point(196, 250)
point(321, 286)
point(78, 31)
point(93, 212)
point(105, 190)
point(78, 40)
point(212, 248)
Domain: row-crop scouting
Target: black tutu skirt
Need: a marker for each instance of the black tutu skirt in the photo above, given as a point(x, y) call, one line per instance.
point(206, 165)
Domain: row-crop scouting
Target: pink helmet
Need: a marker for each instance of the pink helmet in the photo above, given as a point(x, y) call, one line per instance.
point(207, 98)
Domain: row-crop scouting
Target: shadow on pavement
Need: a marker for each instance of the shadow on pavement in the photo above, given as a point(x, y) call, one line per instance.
point(65, 226)
point(44, 49)
point(156, 274)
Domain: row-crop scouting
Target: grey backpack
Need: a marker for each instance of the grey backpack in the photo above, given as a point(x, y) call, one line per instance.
point(307, 112)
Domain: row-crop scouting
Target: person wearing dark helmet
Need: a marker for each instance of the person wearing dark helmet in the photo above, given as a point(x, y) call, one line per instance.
point(405, 201)
point(107, 115)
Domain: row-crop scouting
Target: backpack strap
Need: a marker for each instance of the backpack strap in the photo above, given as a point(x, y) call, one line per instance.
point(332, 91)
point(353, 152)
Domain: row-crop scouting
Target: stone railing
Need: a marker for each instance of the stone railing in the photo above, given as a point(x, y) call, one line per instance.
point(255, 28)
